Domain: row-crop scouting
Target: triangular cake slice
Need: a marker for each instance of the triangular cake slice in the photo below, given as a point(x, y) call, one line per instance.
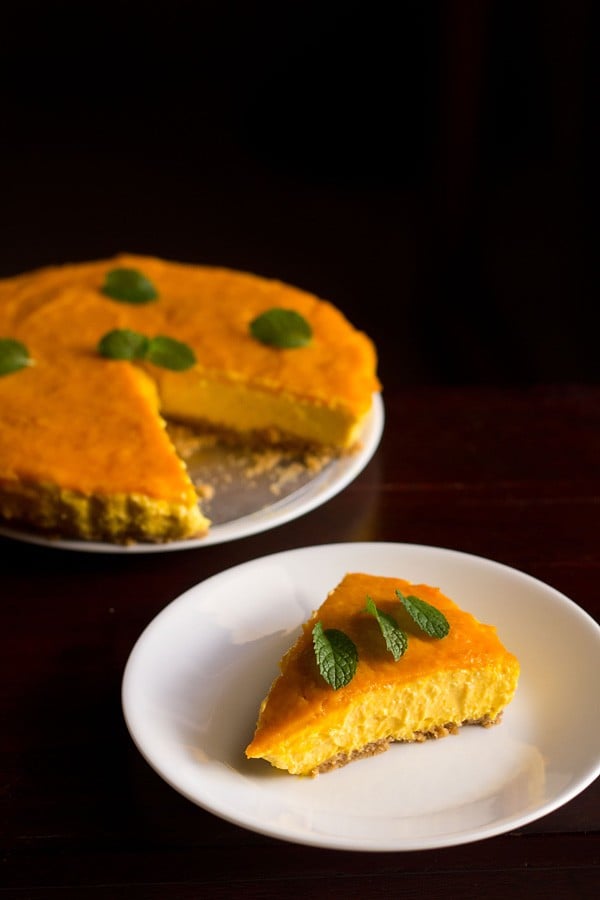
point(85, 453)
point(436, 686)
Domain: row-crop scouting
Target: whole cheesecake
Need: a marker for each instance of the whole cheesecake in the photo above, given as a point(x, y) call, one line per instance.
point(84, 451)
point(305, 726)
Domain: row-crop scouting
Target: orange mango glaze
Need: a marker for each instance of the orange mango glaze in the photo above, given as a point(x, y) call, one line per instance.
point(99, 429)
point(208, 308)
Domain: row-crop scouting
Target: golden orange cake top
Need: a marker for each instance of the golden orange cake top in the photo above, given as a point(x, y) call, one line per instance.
point(62, 309)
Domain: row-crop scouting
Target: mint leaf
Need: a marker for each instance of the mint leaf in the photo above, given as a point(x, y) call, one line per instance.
point(129, 286)
point(336, 655)
point(166, 352)
point(14, 355)
point(395, 639)
point(123, 344)
point(170, 354)
point(283, 328)
point(428, 618)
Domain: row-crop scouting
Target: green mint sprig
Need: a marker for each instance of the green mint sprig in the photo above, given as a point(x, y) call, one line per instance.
point(14, 356)
point(166, 352)
point(283, 328)
point(128, 286)
point(122, 343)
point(170, 354)
point(336, 655)
point(429, 619)
point(395, 638)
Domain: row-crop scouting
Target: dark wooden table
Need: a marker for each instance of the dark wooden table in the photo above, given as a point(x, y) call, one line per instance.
point(510, 473)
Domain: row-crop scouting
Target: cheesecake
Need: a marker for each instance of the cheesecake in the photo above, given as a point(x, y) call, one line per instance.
point(437, 685)
point(84, 448)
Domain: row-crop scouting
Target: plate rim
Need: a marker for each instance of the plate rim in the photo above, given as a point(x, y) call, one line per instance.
point(497, 828)
point(293, 506)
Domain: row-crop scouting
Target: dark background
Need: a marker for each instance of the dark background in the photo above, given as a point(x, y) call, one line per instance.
point(426, 166)
point(430, 172)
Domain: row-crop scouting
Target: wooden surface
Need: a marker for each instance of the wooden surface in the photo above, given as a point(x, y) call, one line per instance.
point(507, 473)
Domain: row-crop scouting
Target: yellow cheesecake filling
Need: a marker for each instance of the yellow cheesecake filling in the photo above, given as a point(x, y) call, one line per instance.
point(275, 416)
point(304, 726)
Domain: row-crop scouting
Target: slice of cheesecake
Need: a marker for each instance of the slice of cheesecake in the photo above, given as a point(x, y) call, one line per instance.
point(83, 446)
point(85, 454)
point(436, 686)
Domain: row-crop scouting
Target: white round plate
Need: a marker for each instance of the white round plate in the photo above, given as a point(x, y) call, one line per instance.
point(318, 490)
point(195, 679)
